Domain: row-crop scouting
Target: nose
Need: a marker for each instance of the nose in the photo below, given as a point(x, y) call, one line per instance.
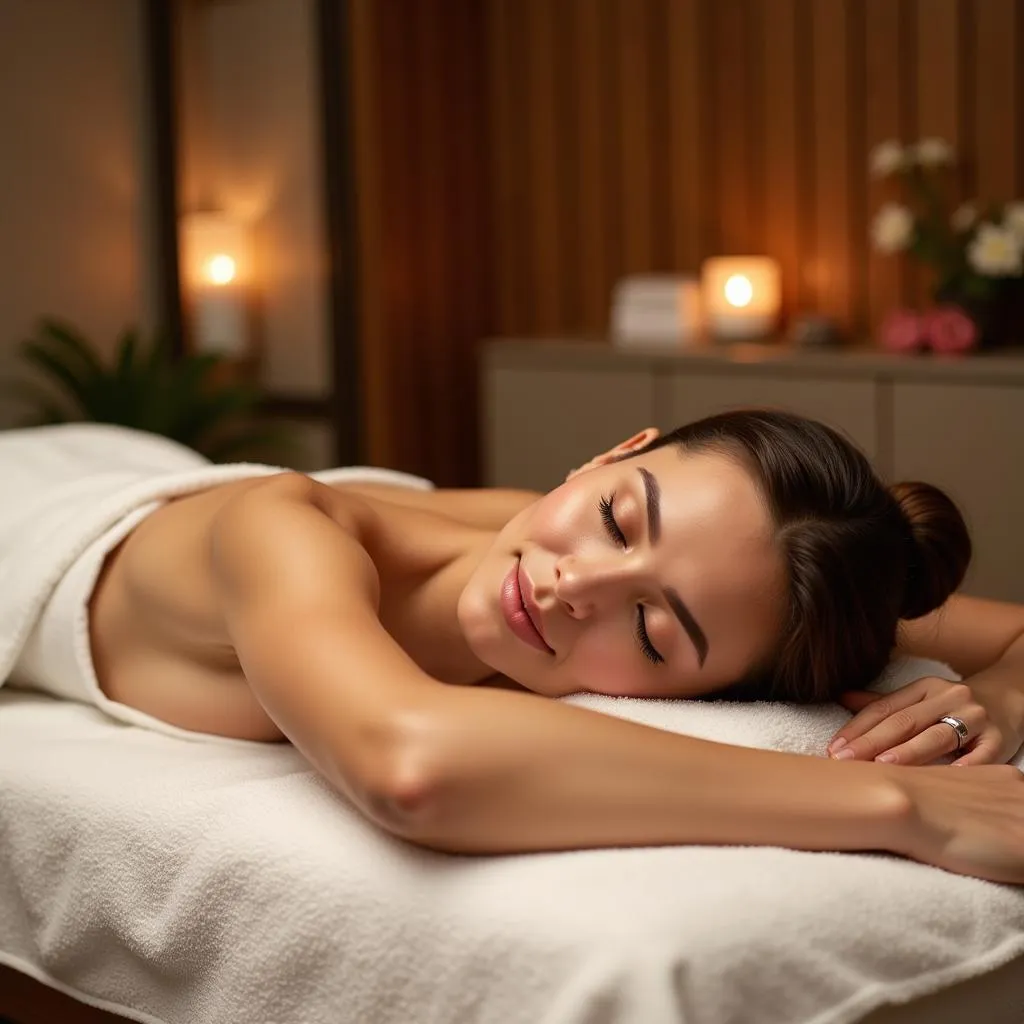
point(586, 586)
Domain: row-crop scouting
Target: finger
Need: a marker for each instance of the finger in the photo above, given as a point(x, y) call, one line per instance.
point(940, 739)
point(875, 712)
point(906, 723)
point(985, 751)
point(927, 746)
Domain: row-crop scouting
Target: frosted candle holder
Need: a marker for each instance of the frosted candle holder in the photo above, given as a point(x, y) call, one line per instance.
point(741, 295)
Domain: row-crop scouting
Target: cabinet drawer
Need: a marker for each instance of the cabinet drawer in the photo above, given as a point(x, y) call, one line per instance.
point(969, 440)
point(847, 405)
point(541, 423)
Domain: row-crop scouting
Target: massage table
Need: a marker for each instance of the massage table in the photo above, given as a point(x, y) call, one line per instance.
point(170, 878)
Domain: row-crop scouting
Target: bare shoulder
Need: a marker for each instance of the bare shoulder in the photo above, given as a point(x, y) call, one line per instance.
point(487, 508)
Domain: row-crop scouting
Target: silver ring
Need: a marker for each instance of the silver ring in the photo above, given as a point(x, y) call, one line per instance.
point(959, 727)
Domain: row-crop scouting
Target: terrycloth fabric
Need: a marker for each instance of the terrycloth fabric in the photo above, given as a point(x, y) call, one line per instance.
point(71, 494)
point(185, 883)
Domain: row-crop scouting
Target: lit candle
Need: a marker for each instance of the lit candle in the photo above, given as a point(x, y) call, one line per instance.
point(741, 295)
point(216, 261)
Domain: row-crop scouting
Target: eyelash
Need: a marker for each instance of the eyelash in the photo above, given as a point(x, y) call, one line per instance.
point(616, 534)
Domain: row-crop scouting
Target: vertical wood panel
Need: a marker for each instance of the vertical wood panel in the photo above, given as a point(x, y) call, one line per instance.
point(686, 115)
point(567, 105)
point(937, 108)
point(938, 47)
point(997, 100)
point(857, 162)
point(661, 169)
point(546, 256)
point(730, 122)
point(634, 114)
point(884, 120)
point(376, 353)
point(507, 260)
point(422, 171)
point(831, 262)
point(782, 177)
point(426, 135)
point(593, 250)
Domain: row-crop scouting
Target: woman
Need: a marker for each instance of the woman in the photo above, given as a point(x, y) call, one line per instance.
point(753, 554)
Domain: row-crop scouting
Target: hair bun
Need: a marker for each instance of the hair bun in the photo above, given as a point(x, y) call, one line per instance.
point(940, 551)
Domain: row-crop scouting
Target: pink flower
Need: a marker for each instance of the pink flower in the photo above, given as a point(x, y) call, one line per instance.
point(902, 331)
point(950, 329)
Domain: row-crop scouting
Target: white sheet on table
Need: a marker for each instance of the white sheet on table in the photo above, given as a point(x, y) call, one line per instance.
point(186, 883)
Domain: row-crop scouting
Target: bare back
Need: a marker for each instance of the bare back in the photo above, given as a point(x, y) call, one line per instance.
point(159, 638)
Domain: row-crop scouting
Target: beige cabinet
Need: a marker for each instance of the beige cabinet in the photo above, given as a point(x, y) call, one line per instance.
point(847, 405)
point(957, 423)
point(540, 425)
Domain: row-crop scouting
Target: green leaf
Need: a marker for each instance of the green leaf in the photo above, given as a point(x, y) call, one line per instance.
point(126, 352)
point(147, 387)
point(56, 369)
point(74, 345)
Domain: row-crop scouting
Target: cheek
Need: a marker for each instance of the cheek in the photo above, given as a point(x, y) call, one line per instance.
point(605, 661)
point(557, 517)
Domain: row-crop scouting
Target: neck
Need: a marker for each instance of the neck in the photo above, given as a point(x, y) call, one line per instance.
point(453, 660)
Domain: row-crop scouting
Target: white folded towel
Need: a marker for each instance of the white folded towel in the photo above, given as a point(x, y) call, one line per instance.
point(71, 493)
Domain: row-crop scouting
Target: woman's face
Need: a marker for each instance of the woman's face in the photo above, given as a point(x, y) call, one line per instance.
point(654, 576)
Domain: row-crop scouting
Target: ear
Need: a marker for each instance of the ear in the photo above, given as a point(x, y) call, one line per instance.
point(632, 444)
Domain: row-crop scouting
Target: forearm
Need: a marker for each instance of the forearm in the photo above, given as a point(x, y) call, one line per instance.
point(1005, 677)
point(515, 772)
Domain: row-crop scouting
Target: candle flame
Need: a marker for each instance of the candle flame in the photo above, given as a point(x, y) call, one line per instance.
point(738, 290)
point(221, 269)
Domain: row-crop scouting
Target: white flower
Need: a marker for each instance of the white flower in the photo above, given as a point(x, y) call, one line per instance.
point(995, 252)
point(933, 153)
point(964, 217)
point(892, 228)
point(888, 157)
point(1013, 219)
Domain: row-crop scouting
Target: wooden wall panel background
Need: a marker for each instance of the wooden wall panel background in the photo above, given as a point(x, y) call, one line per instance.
point(517, 157)
point(424, 173)
point(704, 126)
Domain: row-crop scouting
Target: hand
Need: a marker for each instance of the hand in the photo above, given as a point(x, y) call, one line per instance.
point(970, 822)
point(904, 727)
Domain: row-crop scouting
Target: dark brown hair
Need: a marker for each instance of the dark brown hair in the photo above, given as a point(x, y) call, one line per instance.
point(859, 556)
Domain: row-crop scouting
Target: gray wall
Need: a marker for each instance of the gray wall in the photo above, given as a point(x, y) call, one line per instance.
point(250, 145)
point(73, 224)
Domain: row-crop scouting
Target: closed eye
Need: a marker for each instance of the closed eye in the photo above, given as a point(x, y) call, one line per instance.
point(608, 518)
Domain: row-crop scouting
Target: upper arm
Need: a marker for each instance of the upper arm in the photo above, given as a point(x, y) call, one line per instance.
point(300, 597)
point(967, 633)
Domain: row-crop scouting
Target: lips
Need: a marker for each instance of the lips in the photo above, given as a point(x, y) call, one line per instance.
point(515, 611)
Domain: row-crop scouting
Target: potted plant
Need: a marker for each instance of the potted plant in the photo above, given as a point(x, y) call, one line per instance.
point(190, 399)
point(975, 252)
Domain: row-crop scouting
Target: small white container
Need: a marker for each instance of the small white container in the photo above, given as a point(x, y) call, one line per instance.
point(656, 309)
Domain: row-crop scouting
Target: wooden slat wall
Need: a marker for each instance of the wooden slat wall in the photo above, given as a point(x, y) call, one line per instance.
point(647, 134)
point(517, 157)
point(421, 102)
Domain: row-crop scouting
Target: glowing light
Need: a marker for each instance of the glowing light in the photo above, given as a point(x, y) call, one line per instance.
point(738, 290)
point(221, 269)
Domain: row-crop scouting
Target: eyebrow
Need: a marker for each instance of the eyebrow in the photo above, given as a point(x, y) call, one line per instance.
point(653, 492)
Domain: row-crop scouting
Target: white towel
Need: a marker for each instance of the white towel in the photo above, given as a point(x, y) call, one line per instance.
point(71, 493)
point(184, 883)
point(200, 884)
